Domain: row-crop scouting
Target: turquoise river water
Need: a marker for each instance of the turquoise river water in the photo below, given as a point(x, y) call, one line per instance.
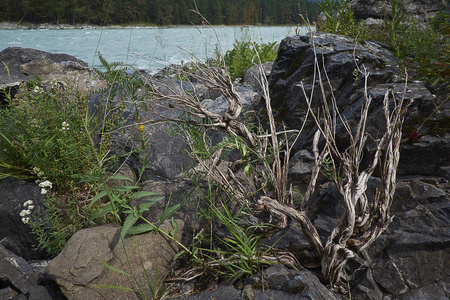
point(144, 48)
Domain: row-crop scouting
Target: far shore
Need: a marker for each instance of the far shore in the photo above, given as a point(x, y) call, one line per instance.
point(47, 26)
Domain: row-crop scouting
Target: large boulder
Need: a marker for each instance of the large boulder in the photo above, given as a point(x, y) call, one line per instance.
point(23, 64)
point(340, 57)
point(80, 274)
point(408, 259)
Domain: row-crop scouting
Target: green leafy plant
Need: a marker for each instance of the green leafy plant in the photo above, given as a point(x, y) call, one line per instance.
point(53, 230)
point(238, 255)
point(340, 19)
point(153, 286)
point(393, 24)
point(242, 56)
point(43, 128)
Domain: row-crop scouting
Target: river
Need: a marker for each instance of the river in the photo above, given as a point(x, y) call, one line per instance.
point(144, 48)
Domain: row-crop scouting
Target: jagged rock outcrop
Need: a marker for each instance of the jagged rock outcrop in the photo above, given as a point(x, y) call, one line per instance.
point(21, 279)
point(421, 10)
point(409, 257)
point(340, 57)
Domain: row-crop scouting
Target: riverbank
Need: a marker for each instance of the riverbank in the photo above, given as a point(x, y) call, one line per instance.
point(43, 26)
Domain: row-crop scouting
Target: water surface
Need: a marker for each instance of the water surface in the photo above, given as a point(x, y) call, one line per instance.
point(144, 48)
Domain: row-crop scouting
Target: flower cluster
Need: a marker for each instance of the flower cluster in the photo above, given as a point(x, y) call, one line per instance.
point(37, 89)
point(38, 172)
point(45, 186)
point(65, 126)
point(28, 205)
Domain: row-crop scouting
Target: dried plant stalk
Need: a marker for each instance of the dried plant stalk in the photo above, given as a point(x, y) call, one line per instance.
point(363, 220)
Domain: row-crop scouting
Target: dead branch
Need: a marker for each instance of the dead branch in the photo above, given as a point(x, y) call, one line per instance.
point(363, 221)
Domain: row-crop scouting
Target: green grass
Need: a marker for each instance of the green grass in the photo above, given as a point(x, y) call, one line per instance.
point(410, 41)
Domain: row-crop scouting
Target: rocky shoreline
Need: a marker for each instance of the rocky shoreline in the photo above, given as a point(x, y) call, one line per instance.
point(47, 26)
point(408, 261)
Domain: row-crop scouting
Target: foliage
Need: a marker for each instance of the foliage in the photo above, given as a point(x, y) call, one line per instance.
point(238, 255)
point(43, 129)
point(411, 42)
point(392, 24)
point(159, 12)
point(339, 19)
point(57, 226)
point(433, 66)
point(243, 56)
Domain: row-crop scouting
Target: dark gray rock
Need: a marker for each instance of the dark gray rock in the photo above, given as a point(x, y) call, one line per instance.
point(302, 283)
point(252, 75)
point(25, 64)
point(387, 275)
point(39, 292)
point(227, 292)
point(19, 297)
point(366, 288)
point(421, 10)
point(301, 164)
point(410, 255)
point(14, 234)
point(293, 71)
point(15, 271)
point(434, 291)
point(220, 105)
point(5, 293)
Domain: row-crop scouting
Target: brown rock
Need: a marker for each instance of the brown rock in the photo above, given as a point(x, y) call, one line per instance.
point(80, 274)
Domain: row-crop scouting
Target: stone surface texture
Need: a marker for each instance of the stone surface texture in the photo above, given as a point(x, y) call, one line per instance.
point(80, 274)
point(25, 64)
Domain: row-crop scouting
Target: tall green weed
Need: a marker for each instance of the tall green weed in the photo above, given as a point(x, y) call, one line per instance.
point(242, 56)
point(42, 128)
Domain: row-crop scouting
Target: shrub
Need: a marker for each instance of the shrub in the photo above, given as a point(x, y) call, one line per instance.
point(410, 41)
point(42, 129)
point(243, 56)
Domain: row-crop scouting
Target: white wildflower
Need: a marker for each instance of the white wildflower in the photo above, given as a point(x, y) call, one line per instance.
point(30, 207)
point(37, 89)
point(28, 202)
point(65, 126)
point(43, 191)
point(25, 220)
point(24, 212)
point(45, 184)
